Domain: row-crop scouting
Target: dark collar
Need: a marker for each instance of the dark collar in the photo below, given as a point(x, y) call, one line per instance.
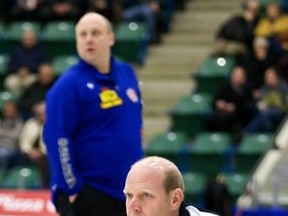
point(183, 210)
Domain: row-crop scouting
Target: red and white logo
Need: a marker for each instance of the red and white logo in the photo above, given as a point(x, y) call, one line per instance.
point(132, 95)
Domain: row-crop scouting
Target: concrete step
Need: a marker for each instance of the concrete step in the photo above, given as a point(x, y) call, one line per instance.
point(160, 96)
point(153, 125)
point(172, 62)
point(166, 74)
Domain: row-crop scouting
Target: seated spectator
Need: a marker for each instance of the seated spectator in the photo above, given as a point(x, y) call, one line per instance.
point(57, 10)
point(25, 10)
point(233, 104)
point(112, 10)
point(24, 63)
point(37, 91)
point(235, 36)
point(257, 61)
point(10, 128)
point(274, 26)
point(272, 100)
point(143, 11)
point(31, 143)
point(146, 12)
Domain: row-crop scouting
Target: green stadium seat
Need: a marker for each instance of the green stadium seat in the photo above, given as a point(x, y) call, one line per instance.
point(22, 178)
point(15, 30)
point(169, 145)
point(194, 184)
point(236, 184)
point(131, 41)
point(188, 113)
point(212, 73)
point(62, 62)
point(250, 150)
point(7, 96)
point(58, 37)
point(207, 154)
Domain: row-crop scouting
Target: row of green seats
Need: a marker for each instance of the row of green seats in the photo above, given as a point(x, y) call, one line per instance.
point(60, 63)
point(58, 37)
point(21, 177)
point(195, 184)
point(209, 152)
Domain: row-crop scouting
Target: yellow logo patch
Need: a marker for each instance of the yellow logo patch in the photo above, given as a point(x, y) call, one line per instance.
point(109, 98)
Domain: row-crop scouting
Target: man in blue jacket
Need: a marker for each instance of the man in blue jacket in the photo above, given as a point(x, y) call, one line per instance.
point(93, 127)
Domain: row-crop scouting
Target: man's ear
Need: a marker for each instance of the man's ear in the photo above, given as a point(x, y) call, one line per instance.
point(177, 196)
point(112, 38)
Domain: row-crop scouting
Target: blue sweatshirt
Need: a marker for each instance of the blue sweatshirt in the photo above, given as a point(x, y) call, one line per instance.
point(93, 128)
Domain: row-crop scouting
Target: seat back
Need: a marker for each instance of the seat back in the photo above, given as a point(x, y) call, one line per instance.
point(131, 41)
point(208, 153)
point(22, 177)
point(58, 37)
point(169, 145)
point(188, 113)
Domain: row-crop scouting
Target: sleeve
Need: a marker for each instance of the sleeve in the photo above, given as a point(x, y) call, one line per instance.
point(28, 136)
point(62, 114)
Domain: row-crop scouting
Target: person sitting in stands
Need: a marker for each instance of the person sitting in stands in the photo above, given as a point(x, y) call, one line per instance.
point(24, 63)
point(31, 143)
point(10, 127)
point(37, 91)
point(235, 36)
point(233, 104)
point(272, 100)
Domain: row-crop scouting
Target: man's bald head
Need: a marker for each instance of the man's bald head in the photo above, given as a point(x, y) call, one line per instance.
point(92, 17)
point(172, 176)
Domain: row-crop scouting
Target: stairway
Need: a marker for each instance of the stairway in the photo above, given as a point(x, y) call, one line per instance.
point(166, 74)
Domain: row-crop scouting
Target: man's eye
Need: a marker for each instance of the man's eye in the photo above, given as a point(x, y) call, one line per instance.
point(147, 195)
point(128, 196)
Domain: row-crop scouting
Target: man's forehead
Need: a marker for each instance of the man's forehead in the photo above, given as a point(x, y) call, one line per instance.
point(92, 20)
point(155, 163)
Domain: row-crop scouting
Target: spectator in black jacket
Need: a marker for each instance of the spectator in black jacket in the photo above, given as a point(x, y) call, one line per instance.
point(24, 63)
point(37, 91)
point(233, 104)
point(235, 36)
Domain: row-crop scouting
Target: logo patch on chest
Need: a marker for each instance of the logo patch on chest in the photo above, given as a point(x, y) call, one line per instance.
point(109, 98)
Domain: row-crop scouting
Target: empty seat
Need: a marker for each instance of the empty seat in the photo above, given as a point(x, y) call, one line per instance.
point(194, 184)
point(131, 41)
point(169, 145)
point(58, 37)
point(212, 73)
point(251, 148)
point(62, 62)
point(22, 177)
point(208, 153)
point(188, 113)
point(236, 184)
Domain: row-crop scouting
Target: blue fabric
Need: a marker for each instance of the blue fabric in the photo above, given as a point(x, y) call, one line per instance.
point(93, 128)
point(273, 211)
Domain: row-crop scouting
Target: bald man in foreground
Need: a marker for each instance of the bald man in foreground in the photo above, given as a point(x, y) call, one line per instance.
point(154, 187)
point(93, 127)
